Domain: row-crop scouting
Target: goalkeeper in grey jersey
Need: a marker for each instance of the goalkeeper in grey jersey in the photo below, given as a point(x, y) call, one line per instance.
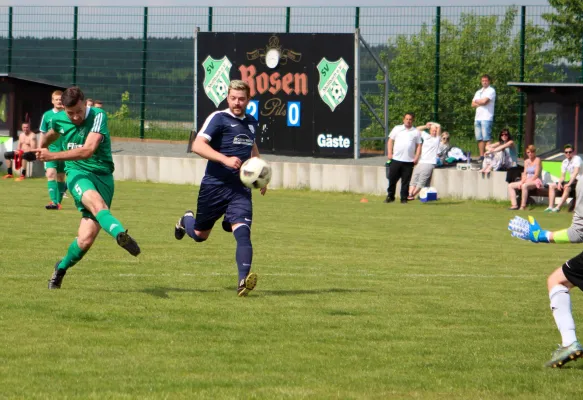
point(562, 280)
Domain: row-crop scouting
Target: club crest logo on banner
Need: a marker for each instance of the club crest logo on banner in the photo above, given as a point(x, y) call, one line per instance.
point(216, 78)
point(332, 86)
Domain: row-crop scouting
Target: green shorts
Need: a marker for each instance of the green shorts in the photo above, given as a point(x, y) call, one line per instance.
point(58, 165)
point(80, 181)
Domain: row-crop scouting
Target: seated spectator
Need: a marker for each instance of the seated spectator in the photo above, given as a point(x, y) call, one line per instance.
point(530, 179)
point(26, 142)
point(572, 165)
point(501, 155)
point(443, 148)
point(89, 102)
point(424, 169)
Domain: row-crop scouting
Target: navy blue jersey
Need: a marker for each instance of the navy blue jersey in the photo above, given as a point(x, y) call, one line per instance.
point(231, 136)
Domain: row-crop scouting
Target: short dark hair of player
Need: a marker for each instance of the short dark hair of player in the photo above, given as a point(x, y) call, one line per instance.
point(409, 113)
point(57, 93)
point(568, 146)
point(72, 96)
point(96, 102)
point(240, 85)
point(486, 76)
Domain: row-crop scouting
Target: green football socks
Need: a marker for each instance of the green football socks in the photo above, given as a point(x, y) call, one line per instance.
point(74, 255)
point(62, 189)
point(54, 191)
point(109, 223)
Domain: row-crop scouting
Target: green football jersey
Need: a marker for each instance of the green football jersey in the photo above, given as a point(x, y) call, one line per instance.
point(74, 136)
point(45, 126)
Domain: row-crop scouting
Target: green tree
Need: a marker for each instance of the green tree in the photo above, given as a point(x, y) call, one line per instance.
point(566, 29)
point(470, 47)
point(123, 112)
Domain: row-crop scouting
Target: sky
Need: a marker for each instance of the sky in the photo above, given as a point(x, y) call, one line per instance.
point(272, 3)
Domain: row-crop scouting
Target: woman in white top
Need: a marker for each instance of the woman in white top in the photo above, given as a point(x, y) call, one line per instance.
point(500, 155)
point(424, 169)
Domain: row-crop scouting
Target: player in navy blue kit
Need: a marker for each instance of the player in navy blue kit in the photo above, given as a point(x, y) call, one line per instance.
point(226, 140)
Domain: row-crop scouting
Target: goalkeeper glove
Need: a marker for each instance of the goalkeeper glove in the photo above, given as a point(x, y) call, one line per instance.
point(528, 230)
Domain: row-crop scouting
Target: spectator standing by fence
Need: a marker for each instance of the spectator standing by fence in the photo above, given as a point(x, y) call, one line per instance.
point(403, 149)
point(484, 101)
point(424, 170)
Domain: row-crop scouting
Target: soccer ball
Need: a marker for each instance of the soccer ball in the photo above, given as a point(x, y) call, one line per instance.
point(255, 173)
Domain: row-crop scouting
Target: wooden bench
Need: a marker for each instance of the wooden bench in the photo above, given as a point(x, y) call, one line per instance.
point(544, 192)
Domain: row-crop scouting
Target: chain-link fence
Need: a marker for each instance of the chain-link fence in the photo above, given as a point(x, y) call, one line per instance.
point(142, 57)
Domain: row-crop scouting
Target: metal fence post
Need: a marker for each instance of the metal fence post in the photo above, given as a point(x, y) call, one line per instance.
point(356, 94)
point(144, 65)
point(9, 66)
point(287, 18)
point(357, 18)
point(75, 29)
point(437, 64)
point(521, 76)
point(210, 20)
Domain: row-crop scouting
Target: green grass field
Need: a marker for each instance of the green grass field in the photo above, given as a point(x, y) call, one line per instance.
point(354, 301)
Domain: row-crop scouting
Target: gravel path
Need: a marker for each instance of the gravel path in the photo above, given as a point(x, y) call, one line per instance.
point(175, 149)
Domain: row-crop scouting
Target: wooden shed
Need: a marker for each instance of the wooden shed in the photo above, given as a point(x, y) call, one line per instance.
point(553, 115)
point(23, 99)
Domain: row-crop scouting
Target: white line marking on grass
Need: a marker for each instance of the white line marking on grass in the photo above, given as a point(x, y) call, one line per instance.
point(480, 276)
point(469, 276)
point(291, 274)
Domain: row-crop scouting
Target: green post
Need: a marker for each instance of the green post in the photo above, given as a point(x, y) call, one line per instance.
point(144, 65)
point(357, 18)
point(75, 30)
point(210, 21)
point(287, 18)
point(521, 77)
point(437, 64)
point(9, 67)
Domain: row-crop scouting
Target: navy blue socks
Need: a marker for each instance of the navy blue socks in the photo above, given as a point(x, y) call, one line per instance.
point(244, 253)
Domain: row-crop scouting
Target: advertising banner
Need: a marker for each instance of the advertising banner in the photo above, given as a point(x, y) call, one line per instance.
point(302, 87)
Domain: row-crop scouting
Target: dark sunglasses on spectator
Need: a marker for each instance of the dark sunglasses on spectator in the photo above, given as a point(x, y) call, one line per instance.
point(503, 134)
point(568, 151)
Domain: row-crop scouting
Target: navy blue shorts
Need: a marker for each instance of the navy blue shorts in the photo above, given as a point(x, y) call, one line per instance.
point(215, 200)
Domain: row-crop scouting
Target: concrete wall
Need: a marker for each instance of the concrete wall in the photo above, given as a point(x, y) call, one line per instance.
point(449, 182)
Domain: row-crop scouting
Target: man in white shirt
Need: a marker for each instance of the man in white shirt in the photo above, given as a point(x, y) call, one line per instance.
point(403, 151)
point(424, 170)
point(572, 165)
point(483, 102)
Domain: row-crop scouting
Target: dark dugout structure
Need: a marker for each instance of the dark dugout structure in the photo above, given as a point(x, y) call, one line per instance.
point(553, 116)
point(23, 100)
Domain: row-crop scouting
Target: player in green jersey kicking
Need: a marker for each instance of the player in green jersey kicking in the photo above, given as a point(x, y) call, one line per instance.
point(89, 167)
point(54, 170)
